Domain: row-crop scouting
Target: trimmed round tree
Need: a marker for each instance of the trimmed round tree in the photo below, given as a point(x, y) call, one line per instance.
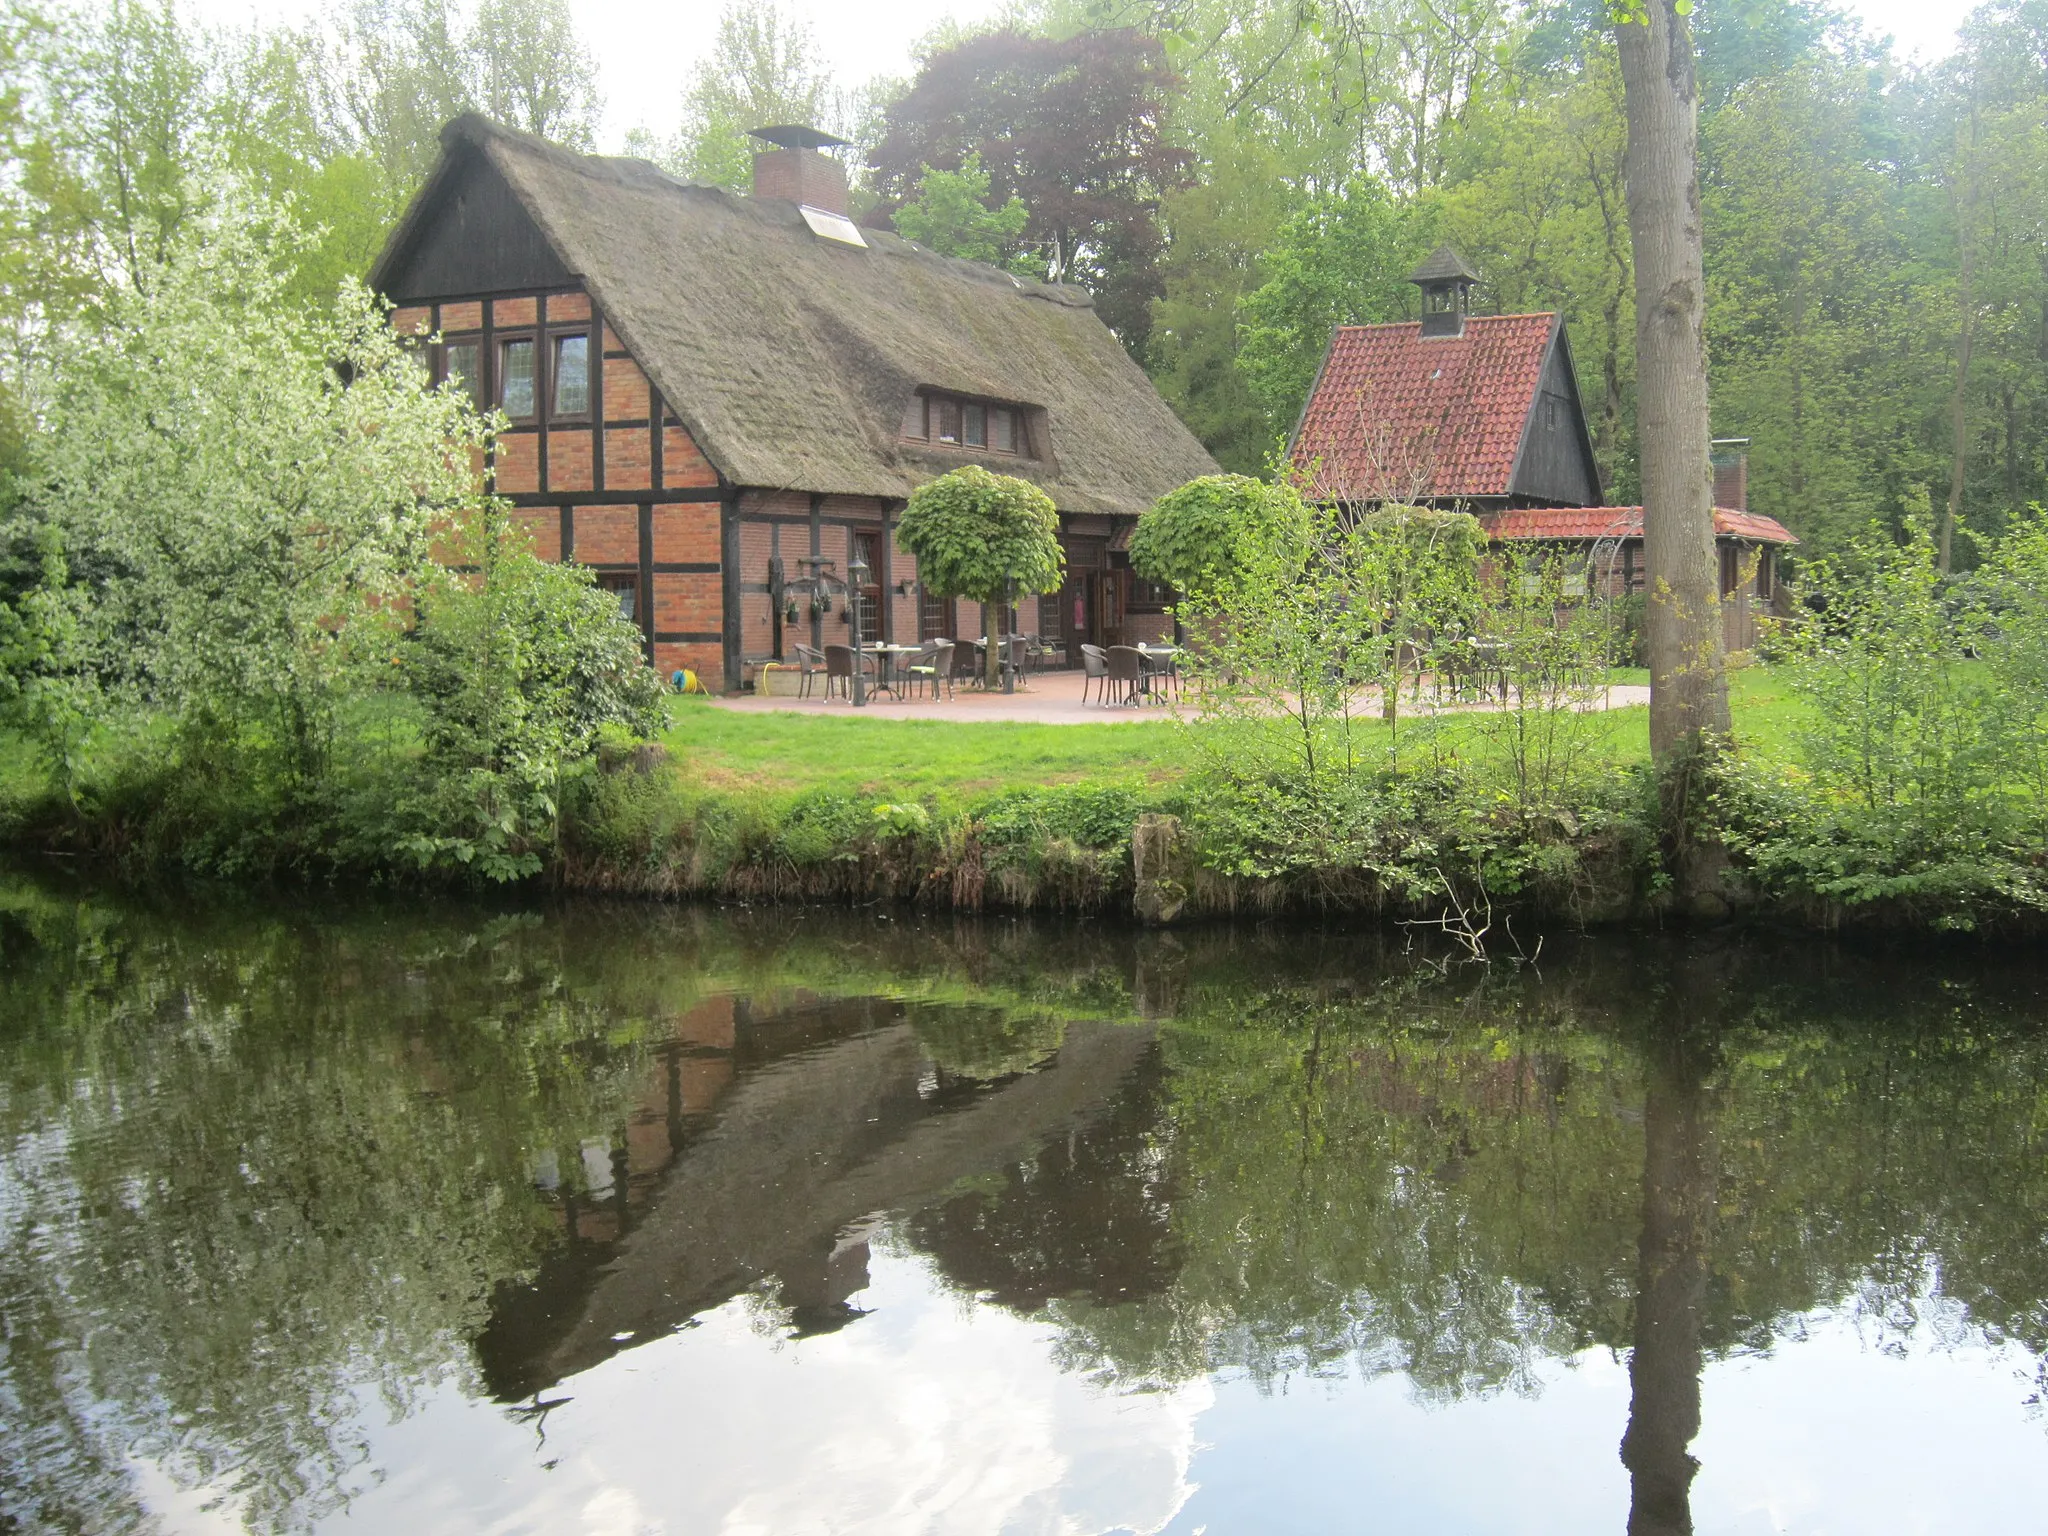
point(1191, 539)
point(981, 536)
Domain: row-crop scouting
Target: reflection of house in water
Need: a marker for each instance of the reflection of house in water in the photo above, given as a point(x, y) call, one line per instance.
point(770, 1135)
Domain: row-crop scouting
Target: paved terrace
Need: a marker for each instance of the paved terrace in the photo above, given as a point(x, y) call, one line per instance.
point(1052, 698)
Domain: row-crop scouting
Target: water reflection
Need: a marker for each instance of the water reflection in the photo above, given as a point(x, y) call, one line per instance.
point(349, 1215)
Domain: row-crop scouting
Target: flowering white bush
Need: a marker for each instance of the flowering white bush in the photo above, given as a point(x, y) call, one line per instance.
point(260, 482)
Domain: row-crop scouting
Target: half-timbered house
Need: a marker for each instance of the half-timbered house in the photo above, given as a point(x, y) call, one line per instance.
point(721, 403)
point(1482, 414)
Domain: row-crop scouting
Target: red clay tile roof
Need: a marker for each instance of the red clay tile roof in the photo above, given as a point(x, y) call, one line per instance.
point(1622, 523)
point(1391, 410)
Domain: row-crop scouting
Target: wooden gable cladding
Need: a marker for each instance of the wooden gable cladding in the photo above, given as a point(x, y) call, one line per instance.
point(466, 234)
point(1556, 465)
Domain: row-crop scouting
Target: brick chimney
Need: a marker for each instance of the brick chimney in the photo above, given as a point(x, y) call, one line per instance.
point(794, 171)
point(1731, 473)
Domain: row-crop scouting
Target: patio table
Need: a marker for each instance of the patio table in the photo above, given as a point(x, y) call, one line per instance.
point(888, 658)
point(1157, 661)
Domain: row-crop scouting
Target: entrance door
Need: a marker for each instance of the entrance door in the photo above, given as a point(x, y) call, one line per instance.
point(1109, 608)
point(1081, 597)
point(1077, 613)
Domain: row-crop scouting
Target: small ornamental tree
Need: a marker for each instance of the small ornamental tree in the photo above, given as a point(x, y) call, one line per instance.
point(983, 536)
point(1195, 536)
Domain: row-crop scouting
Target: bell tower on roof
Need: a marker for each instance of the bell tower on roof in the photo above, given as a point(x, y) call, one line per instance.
point(1446, 283)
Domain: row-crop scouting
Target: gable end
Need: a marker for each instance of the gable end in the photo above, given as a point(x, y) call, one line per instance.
point(1555, 465)
point(470, 235)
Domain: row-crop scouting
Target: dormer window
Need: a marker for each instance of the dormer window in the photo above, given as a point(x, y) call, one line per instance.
point(952, 421)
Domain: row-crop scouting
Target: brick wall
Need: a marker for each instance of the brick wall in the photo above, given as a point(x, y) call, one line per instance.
point(682, 464)
point(686, 531)
point(688, 603)
point(626, 462)
point(569, 461)
point(625, 390)
point(608, 535)
point(517, 469)
point(544, 528)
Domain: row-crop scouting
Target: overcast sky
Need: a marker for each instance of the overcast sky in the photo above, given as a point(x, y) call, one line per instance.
point(645, 49)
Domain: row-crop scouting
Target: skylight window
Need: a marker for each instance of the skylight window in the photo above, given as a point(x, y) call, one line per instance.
point(831, 226)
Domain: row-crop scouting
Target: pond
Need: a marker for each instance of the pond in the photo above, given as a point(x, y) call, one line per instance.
point(607, 1218)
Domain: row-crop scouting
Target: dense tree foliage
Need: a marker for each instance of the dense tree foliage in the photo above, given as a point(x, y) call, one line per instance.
point(1230, 182)
point(763, 72)
point(1075, 127)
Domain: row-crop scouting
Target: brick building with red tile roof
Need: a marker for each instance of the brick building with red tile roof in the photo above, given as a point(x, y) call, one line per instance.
point(1485, 417)
point(1482, 414)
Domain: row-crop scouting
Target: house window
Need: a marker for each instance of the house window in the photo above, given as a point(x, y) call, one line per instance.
point(462, 365)
point(625, 590)
point(1050, 630)
point(518, 386)
point(572, 376)
point(1763, 574)
point(1731, 569)
point(937, 618)
point(962, 423)
point(1149, 596)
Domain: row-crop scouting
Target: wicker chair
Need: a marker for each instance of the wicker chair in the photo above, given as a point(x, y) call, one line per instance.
point(809, 664)
point(1094, 670)
point(839, 668)
point(1126, 672)
point(933, 664)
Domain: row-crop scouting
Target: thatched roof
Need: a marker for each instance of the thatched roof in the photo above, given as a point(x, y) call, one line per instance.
point(791, 358)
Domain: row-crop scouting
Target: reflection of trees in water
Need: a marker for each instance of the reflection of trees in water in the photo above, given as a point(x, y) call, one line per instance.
point(1446, 1178)
point(1671, 1280)
point(274, 1167)
point(257, 1164)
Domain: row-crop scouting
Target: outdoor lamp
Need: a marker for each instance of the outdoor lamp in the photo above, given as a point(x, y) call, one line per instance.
point(856, 580)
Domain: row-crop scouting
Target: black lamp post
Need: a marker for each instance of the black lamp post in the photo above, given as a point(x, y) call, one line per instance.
point(857, 577)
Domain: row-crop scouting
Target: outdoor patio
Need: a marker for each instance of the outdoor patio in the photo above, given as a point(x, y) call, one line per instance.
point(1046, 698)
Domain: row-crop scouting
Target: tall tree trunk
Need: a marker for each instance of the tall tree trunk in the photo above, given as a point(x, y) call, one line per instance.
point(1682, 620)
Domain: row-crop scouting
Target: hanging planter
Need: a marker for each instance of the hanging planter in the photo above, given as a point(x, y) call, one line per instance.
point(789, 614)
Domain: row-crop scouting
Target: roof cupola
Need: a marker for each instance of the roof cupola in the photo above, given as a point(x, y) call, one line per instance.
point(1446, 284)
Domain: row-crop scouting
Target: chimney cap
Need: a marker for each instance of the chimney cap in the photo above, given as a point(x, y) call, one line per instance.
point(797, 136)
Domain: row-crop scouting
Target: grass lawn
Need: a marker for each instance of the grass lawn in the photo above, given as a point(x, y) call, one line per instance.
point(950, 760)
point(914, 758)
